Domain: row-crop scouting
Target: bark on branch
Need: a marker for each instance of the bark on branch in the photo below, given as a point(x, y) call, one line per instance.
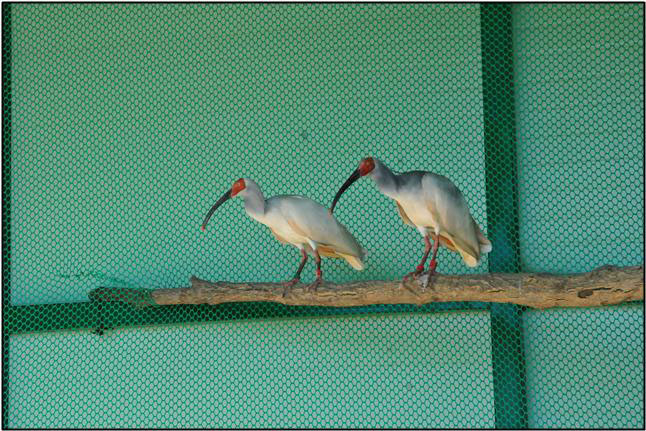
point(604, 286)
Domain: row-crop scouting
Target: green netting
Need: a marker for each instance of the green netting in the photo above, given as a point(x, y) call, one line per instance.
point(123, 123)
point(296, 377)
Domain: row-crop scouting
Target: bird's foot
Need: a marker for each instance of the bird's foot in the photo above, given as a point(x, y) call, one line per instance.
point(430, 279)
point(413, 274)
point(288, 284)
point(314, 286)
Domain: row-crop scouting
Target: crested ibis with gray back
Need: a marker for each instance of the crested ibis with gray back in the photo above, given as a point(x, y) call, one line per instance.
point(432, 204)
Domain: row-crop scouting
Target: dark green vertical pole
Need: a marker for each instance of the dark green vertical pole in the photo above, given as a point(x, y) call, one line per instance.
point(502, 209)
point(6, 197)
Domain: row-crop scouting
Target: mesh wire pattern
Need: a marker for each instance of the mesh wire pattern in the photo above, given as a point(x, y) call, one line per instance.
point(122, 123)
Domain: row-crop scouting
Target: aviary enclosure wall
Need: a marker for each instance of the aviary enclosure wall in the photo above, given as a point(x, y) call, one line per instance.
point(122, 123)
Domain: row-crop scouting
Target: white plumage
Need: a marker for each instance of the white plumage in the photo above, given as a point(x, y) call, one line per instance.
point(432, 204)
point(298, 221)
point(307, 224)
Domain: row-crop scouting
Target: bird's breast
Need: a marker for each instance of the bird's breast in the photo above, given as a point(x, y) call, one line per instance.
point(281, 227)
point(417, 211)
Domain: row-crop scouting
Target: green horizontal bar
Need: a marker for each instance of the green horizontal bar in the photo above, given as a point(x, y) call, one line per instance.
point(21, 319)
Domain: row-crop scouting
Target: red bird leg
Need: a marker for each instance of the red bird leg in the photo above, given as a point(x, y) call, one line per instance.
point(420, 267)
point(319, 275)
point(433, 264)
point(297, 276)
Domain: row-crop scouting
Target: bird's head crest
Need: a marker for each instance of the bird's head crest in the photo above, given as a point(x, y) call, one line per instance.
point(238, 186)
point(366, 166)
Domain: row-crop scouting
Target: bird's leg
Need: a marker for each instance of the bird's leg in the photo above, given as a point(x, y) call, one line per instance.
point(420, 267)
point(433, 264)
point(297, 276)
point(319, 275)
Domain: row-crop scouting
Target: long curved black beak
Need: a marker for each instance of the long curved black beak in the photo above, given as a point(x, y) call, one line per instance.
point(354, 177)
point(225, 197)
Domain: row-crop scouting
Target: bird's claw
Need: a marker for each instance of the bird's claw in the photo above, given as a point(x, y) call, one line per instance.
point(291, 282)
point(288, 284)
point(417, 274)
point(430, 280)
point(313, 287)
point(413, 274)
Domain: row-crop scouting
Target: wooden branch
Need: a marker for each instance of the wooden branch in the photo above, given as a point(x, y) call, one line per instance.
point(604, 286)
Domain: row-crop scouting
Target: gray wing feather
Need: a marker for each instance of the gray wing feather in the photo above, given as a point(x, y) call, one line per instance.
point(451, 212)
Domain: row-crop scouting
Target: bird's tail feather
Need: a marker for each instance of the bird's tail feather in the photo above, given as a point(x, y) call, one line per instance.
point(483, 241)
point(468, 259)
point(354, 261)
point(485, 244)
point(470, 256)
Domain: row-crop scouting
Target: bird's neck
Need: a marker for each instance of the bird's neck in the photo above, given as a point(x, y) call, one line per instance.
point(254, 204)
point(385, 180)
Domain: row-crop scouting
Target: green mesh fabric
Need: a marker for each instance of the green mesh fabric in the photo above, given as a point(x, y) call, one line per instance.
point(123, 123)
point(298, 376)
point(579, 104)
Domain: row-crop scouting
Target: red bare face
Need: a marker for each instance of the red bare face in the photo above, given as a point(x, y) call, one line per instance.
point(366, 166)
point(238, 186)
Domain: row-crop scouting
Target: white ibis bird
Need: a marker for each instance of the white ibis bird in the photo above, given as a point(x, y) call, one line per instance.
point(299, 221)
point(431, 203)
